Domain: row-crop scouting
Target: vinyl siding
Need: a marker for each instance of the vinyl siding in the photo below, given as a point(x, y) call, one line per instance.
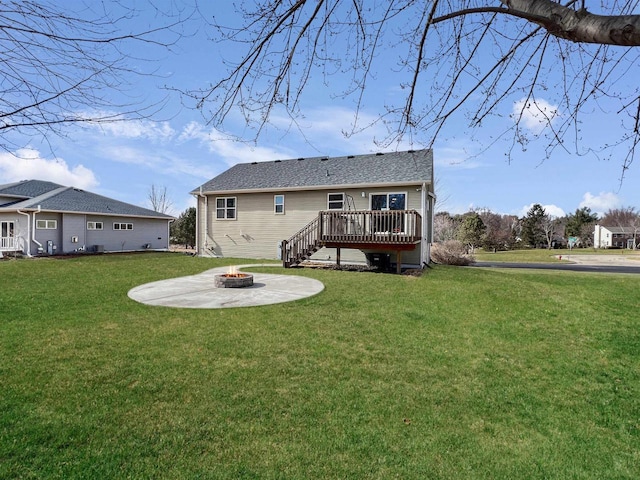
point(145, 231)
point(45, 235)
point(257, 230)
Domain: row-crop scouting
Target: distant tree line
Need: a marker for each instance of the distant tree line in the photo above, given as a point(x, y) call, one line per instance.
point(482, 228)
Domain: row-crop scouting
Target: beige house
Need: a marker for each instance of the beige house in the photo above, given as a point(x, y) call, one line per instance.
point(375, 208)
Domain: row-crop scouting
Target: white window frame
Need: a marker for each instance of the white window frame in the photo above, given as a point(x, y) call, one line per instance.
point(46, 224)
point(95, 225)
point(334, 201)
point(225, 209)
point(277, 204)
point(119, 226)
point(388, 194)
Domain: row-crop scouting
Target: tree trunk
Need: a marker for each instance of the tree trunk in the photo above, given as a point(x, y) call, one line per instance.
point(578, 25)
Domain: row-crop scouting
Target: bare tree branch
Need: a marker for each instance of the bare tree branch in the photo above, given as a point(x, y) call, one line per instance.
point(473, 57)
point(60, 67)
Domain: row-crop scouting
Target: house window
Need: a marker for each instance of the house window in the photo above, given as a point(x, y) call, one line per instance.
point(46, 224)
point(97, 226)
point(388, 201)
point(226, 208)
point(123, 226)
point(335, 201)
point(278, 204)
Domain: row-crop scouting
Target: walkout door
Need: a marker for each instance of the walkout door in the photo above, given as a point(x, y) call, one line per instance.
point(393, 221)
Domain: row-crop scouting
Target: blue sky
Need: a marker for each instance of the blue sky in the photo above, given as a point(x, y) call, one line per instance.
point(180, 151)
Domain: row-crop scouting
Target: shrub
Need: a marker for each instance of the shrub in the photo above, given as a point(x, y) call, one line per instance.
point(451, 252)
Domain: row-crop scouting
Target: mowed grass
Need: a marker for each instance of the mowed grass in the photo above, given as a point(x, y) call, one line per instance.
point(460, 373)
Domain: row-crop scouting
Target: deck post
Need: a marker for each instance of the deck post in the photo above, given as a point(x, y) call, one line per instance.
point(283, 254)
point(399, 261)
point(338, 256)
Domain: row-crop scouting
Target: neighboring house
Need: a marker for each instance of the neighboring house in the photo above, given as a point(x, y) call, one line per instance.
point(376, 208)
point(615, 237)
point(38, 217)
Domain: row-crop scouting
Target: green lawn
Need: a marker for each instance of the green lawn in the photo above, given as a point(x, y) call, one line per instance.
point(460, 373)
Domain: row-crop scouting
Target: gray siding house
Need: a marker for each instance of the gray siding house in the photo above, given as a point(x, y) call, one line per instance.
point(363, 208)
point(44, 218)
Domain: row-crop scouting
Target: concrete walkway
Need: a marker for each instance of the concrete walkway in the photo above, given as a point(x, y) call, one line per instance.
point(198, 291)
point(629, 260)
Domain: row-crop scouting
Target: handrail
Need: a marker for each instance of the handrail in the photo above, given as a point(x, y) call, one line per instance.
point(370, 226)
point(300, 243)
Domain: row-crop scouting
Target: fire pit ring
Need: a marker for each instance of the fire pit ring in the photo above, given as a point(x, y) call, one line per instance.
point(233, 280)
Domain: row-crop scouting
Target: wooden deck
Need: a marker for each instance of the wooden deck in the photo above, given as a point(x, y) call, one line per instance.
point(391, 230)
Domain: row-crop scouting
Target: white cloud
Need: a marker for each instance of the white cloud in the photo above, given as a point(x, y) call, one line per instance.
point(600, 203)
point(231, 150)
point(158, 160)
point(27, 164)
point(535, 115)
point(552, 210)
point(156, 131)
point(457, 156)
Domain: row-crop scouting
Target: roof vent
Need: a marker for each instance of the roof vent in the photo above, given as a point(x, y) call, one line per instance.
point(277, 161)
point(324, 159)
point(254, 163)
point(411, 151)
point(351, 156)
point(379, 154)
point(301, 158)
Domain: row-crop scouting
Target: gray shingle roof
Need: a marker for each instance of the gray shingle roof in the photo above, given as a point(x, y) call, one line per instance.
point(56, 198)
point(413, 166)
point(626, 230)
point(27, 188)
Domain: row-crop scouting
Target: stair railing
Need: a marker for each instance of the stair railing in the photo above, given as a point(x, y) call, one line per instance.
point(301, 245)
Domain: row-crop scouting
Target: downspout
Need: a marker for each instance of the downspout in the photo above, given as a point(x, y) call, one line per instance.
point(33, 229)
point(424, 254)
point(199, 246)
point(169, 233)
point(28, 252)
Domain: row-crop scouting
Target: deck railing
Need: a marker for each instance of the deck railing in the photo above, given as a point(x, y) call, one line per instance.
point(352, 229)
point(370, 226)
point(8, 243)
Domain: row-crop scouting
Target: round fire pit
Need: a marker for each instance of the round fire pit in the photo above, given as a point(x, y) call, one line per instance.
point(233, 280)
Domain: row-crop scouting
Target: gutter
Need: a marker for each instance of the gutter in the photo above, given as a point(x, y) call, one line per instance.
point(28, 252)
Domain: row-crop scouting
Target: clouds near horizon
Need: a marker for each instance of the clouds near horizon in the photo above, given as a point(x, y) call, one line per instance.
point(600, 203)
point(28, 164)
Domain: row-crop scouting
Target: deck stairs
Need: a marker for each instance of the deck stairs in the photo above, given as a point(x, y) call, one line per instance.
point(302, 244)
